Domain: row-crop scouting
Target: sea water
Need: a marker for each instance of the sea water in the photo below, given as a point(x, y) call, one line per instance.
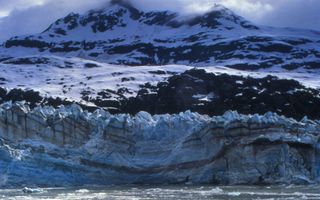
point(168, 193)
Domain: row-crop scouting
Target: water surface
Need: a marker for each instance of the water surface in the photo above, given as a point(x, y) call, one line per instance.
point(168, 193)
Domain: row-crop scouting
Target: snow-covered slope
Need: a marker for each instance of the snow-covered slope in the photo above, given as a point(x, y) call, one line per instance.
point(68, 77)
point(74, 75)
point(122, 34)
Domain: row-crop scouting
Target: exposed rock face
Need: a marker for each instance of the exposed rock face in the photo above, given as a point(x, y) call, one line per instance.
point(70, 147)
point(214, 94)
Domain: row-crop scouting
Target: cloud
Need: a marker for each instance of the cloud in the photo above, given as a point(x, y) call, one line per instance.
point(38, 15)
point(294, 13)
point(246, 7)
point(33, 16)
point(254, 9)
point(7, 6)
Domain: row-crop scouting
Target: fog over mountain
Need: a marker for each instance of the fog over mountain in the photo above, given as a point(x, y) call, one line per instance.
point(19, 17)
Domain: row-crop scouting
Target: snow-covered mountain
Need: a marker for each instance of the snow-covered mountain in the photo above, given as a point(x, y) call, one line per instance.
point(125, 60)
point(122, 34)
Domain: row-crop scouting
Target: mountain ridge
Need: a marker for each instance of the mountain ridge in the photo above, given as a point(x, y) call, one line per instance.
point(100, 33)
point(164, 17)
point(220, 37)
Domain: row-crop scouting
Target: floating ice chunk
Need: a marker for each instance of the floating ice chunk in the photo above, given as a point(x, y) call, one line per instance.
point(27, 190)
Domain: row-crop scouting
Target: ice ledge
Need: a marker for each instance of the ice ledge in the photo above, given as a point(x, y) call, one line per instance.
point(78, 147)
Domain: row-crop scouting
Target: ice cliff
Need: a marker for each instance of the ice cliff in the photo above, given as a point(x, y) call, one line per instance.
point(68, 146)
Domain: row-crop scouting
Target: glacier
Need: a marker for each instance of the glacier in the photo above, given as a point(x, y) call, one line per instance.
point(67, 146)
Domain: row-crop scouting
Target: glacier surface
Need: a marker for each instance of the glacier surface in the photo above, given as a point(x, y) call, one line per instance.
point(71, 147)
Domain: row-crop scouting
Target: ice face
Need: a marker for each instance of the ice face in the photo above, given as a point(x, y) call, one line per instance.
point(70, 146)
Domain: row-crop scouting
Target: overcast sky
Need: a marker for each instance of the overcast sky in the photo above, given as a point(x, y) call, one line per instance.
point(18, 17)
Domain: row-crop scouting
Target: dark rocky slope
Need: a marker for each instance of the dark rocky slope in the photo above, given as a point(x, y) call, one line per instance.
point(211, 94)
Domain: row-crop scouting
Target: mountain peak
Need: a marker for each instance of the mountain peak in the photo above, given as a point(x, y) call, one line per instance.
point(120, 13)
point(126, 4)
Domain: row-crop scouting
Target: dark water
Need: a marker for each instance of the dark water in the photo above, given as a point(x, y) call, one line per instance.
point(168, 193)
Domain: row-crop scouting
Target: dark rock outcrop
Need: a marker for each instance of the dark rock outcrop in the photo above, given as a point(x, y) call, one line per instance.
point(211, 94)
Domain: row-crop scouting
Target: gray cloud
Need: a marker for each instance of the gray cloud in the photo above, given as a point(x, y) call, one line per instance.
point(294, 13)
point(32, 16)
point(38, 16)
